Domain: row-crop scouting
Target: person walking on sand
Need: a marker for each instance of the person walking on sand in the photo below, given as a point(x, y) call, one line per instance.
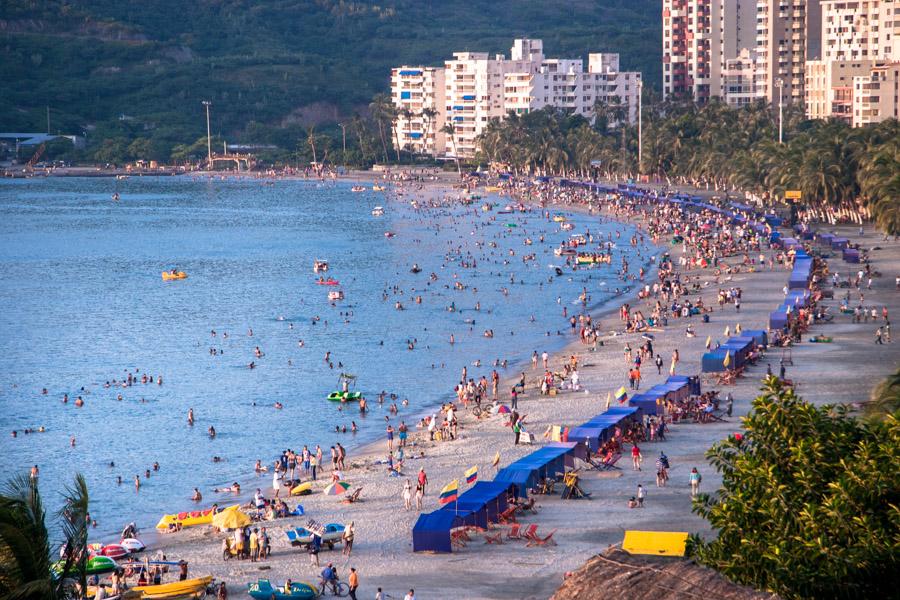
point(422, 480)
point(347, 538)
point(636, 458)
point(696, 478)
point(640, 496)
point(407, 495)
point(878, 336)
point(353, 582)
point(420, 495)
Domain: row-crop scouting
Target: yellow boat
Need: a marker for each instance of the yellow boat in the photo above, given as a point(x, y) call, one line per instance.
point(190, 518)
point(492, 189)
point(302, 489)
point(171, 276)
point(559, 218)
point(378, 188)
point(189, 588)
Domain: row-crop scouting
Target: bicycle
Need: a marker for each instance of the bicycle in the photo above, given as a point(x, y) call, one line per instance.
point(337, 588)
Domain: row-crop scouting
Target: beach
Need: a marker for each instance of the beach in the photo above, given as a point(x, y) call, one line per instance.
point(842, 371)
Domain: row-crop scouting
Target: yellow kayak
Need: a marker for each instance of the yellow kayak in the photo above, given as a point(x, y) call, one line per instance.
point(492, 189)
point(189, 519)
point(302, 489)
point(170, 276)
point(176, 589)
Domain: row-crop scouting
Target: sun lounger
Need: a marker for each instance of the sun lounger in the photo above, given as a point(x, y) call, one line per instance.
point(530, 532)
point(527, 506)
point(547, 541)
point(351, 498)
point(606, 465)
point(514, 532)
point(508, 515)
point(496, 538)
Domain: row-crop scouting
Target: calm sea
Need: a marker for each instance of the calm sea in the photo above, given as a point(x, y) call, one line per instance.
point(83, 304)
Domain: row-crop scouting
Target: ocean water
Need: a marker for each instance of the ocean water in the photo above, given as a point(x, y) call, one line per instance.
point(83, 304)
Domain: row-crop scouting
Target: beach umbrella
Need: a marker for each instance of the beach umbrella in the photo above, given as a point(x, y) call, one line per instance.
point(708, 341)
point(231, 519)
point(727, 331)
point(737, 329)
point(496, 460)
point(337, 488)
point(504, 409)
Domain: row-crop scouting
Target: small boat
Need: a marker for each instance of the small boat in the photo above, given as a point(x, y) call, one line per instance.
point(302, 489)
point(567, 227)
point(559, 218)
point(173, 275)
point(358, 188)
point(301, 535)
point(377, 211)
point(189, 588)
point(492, 189)
point(378, 188)
point(487, 207)
point(189, 519)
point(345, 396)
point(132, 545)
point(113, 551)
point(328, 281)
point(96, 565)
point(121, 177)
point(415, 268)
point(389, 234)
point(335, 295)
point(300, 590)
point(320, 266)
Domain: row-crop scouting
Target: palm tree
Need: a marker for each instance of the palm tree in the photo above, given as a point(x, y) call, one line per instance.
point(383, 112)
point(428, 115)
point(450, 130)
point(311, 140)
point(26, 571)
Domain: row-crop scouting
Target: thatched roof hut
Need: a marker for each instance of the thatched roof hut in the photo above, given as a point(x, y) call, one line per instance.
point(617, 574)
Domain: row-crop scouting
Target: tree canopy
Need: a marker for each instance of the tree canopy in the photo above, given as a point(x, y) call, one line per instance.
point(808, 506)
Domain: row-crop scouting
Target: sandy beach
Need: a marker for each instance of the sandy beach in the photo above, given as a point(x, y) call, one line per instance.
point(843, 371)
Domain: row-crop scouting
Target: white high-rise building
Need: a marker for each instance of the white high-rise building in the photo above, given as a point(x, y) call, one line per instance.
point(740, 79)
point(788, 34)
point(478, 87)
point(860, 38)
point(418, 94)
point(875, 96)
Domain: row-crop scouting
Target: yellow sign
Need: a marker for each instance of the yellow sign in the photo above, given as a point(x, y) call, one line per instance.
point(658, 543)
point(793, 194)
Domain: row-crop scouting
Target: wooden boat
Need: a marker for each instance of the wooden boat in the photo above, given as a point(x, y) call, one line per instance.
point(189, 519)
point(189, 588)
point(173, 275)
point(264, 590)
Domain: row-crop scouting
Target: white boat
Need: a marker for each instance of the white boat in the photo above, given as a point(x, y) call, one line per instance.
point(566, 226)
point(377, 211)
point(320, 266)
point(358, 188)
point(335, 295)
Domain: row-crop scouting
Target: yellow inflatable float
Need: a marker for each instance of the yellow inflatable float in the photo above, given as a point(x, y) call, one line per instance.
point(173, 275)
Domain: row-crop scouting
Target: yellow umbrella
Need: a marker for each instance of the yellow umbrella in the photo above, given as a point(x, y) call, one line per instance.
point(231, 518)
point(727, 360)
point(738, 329)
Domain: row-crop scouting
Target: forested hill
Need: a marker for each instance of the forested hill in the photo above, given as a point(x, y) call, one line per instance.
point(268, 63)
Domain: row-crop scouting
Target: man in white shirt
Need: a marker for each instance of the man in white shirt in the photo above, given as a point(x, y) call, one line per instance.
point(411, 595)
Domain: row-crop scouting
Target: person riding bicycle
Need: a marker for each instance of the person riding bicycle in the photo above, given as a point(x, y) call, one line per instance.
point(329, 577)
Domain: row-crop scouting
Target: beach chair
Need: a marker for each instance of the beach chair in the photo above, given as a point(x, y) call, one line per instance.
point(530, 532)
point(351, 498)
point(496, 538)
point(514, 532)
point(538, 541)
point(507, 516)
point(457, 539)
point(527, 506)
point(610, 464)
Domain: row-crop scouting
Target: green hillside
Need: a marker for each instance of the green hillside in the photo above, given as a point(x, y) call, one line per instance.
point(267, 65)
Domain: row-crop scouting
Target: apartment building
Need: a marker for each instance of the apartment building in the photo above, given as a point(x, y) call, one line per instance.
point(876, 96)
point(788, 34)
point(473, 88)
point(739, 79)
point(418, 94)
point(857, 37)
point(699, 38)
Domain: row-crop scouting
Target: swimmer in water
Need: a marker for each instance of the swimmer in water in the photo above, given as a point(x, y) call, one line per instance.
point(197, 496)
point(211, 431)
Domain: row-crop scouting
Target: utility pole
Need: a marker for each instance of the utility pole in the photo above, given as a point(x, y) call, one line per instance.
point(640, 89)
point(48, 120)
point(207, 104)
point(780, 84)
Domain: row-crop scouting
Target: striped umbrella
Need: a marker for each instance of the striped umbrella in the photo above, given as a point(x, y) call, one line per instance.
point(337, 488)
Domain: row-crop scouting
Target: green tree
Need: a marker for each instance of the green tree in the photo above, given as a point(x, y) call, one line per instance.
point(808, 506)
point(26, 572)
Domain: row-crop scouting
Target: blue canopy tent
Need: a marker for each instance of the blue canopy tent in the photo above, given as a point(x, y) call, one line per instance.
point(851, 255)
point(740, 348)
point(692, 380)
point(592, 436)
point(713, 362)
point(778, 318)
point(431, 533)
point(650, 404)
point(789, 242)
point(760, 337)
point(543, 462)
point(485, 500)
point(839, 243)
point(825, 238)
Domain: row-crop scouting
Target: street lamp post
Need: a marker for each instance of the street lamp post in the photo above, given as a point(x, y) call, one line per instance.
point(780, 84)
point(640, 88)
point(207, 104)
point(343, 139)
